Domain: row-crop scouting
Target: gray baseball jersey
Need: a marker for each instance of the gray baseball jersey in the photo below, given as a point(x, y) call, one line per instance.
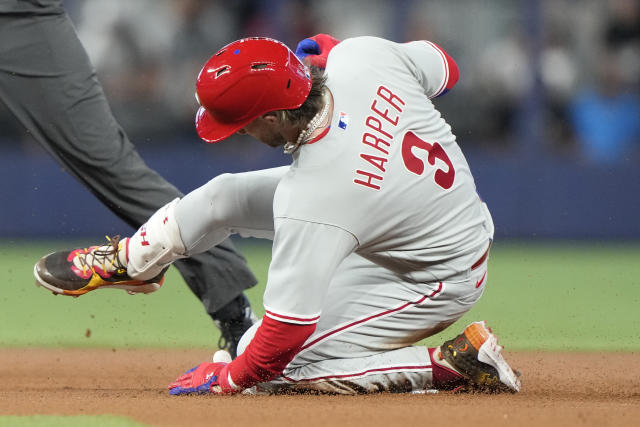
point(388, 182)
point(379, 235)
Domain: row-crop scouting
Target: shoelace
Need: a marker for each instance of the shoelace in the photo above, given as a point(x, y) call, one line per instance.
point(107, 258)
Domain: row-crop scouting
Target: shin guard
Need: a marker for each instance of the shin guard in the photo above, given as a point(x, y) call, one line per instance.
point(155, 245)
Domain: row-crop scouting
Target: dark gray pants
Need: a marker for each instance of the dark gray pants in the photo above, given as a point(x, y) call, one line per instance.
point(48, 83)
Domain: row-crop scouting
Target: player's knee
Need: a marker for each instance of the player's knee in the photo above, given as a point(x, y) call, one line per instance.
point(247, 337)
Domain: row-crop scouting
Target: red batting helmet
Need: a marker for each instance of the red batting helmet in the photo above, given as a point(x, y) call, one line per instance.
point(244, 80)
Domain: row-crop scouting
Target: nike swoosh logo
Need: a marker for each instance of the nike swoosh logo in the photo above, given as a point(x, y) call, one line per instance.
point(479, 282)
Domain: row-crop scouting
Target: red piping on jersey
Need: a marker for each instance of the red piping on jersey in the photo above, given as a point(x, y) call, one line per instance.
point(446, 68)
point(360, 374)
point(374, 316)
point(482, 259)
point(281, 317)
point(319, 136)
point(451, 71)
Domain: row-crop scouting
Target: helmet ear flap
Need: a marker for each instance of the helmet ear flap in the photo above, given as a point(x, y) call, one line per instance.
point(245, 79)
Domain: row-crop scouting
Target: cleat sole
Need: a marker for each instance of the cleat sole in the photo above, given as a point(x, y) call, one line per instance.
point(131, 288)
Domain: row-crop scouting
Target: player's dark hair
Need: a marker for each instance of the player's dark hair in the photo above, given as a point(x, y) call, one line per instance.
point(314, 102)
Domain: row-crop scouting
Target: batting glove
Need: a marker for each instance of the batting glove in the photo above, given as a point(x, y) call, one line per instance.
point(315, 50)
point(202, 379)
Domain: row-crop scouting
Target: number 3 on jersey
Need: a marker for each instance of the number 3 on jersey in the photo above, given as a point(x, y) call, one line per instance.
point(444, 178)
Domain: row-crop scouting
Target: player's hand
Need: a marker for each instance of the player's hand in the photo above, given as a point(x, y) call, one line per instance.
point(314, 50)
point(201, 379)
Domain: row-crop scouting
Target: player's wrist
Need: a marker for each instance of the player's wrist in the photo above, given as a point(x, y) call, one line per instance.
point(225, 383)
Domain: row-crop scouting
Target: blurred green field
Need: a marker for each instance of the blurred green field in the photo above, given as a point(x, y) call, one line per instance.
point(545, 296)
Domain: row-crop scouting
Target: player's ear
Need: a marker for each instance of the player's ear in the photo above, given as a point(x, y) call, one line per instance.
point(271, 117)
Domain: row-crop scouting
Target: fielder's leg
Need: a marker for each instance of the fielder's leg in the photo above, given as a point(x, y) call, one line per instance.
point(47, 82)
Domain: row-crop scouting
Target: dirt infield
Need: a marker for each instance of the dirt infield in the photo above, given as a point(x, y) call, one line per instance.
point(559, 389)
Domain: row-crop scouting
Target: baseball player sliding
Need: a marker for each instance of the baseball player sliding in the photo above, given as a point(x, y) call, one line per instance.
point(379, 236)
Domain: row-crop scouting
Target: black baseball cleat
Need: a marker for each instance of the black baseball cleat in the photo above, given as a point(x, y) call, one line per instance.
point(233, 321)
point(78, 271)
point(476, 355)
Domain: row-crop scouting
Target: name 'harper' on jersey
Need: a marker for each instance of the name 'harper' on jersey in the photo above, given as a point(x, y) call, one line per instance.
point(387, 109)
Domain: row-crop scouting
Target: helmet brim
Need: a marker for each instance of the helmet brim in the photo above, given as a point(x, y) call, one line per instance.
point(213, 130)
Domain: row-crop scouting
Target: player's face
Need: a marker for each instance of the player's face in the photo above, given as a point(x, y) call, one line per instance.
point(266, 129)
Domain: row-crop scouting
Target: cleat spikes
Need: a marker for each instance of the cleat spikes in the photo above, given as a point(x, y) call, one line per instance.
point(78, 271)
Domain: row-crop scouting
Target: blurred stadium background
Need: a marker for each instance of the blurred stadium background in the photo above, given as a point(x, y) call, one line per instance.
point(547, 111)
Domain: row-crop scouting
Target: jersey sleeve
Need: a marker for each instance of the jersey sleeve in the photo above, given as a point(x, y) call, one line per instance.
point(304, 258)
point(434, 68)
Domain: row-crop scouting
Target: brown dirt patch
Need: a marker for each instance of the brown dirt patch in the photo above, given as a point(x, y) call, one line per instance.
point(559, 389)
